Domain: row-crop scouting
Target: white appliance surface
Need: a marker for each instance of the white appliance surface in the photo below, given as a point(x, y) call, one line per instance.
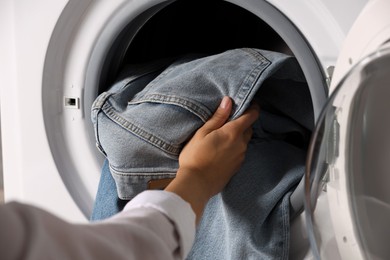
point(324, 24)
point(30, 174)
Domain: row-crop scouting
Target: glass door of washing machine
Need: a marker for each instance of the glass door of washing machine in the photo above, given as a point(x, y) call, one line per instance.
point(348, 168)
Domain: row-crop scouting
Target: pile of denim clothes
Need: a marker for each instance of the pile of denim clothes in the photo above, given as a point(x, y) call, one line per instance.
point(143, 121)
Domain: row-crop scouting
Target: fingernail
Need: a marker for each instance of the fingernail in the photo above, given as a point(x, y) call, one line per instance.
point(224, 102)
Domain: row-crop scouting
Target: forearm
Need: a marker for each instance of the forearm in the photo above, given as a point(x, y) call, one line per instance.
point(190, 187)
point(147, 229)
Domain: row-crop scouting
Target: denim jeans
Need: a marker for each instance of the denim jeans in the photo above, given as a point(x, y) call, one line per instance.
point(143, 121)
point(107, 202)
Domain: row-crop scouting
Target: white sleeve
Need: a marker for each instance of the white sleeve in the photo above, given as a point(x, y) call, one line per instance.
point(154, 225)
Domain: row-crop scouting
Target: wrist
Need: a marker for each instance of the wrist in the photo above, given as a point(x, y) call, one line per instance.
point(192, 188)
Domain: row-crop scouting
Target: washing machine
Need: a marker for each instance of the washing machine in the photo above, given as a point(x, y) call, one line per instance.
point(57, 56)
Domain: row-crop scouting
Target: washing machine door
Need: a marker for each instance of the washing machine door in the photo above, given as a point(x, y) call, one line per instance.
point(347, 199)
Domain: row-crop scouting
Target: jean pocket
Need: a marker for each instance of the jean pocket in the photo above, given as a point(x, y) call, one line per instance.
point(165, 121)
point(144, 141)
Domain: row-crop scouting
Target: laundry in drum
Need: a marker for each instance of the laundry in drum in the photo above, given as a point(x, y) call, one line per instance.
point(143, 121)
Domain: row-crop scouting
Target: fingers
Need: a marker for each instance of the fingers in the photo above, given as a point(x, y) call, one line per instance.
point(245, 121)
point(241, 124)
point(220, 116)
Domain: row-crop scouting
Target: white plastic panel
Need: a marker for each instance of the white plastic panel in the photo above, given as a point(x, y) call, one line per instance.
point(67, 97)
point(325, 23)
point(30, 174)
point(369, 32)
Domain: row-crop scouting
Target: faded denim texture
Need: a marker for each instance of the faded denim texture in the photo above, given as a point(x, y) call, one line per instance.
point(107, 202)
point(143, 121)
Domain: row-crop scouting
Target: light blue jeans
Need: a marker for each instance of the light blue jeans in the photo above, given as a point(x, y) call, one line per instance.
point(143, 121)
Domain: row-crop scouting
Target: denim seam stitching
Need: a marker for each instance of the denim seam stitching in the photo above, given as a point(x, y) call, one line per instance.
point(256, 55)
point(141, 133)
point(100, 100)
point(150, 174)
point(95, 110)
point(98, 143)
point(249, 82)
point(202, 112)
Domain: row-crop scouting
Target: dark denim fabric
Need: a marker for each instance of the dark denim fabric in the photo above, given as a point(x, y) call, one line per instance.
point(250, 218)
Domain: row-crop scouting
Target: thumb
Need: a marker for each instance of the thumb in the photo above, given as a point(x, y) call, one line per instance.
point(220, 116)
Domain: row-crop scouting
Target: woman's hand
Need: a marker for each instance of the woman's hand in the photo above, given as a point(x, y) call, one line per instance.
point(213, 156)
